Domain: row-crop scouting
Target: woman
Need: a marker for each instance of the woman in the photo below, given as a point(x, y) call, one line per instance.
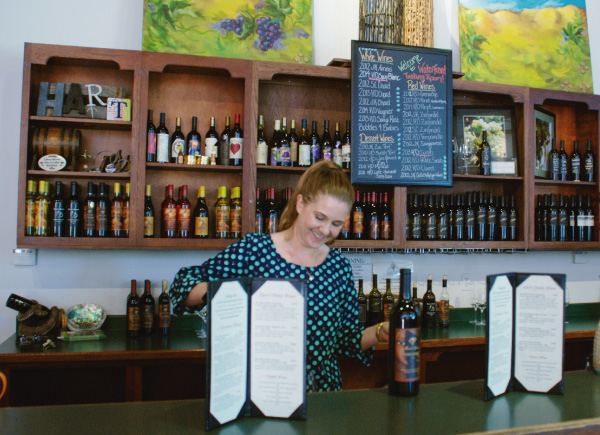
point(311, 221)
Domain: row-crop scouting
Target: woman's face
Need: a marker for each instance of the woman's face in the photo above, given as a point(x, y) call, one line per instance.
point(321, 220)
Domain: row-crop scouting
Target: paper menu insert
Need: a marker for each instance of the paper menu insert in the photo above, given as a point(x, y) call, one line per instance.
point(525, 333)
point(256, 354)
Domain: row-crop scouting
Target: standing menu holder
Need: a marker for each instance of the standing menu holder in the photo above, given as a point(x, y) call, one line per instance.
point(256, 354)
point(525, 332)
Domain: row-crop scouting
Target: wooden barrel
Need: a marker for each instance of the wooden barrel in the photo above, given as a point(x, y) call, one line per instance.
point(62, 141)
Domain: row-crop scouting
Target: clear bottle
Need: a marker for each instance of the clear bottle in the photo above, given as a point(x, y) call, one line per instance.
point(222, 224)
point(162, 141)
point(225, 143)
point(375, 308)
point(262, 148)
point(235, 214)
point(429, 306)
point(134, 323)
point(211, 143)
point(183, 213)
point(147, 309)
point(201, 215)
point(58, 211)
point(32, 190)
point(168, 222)
point(164, 311)
point(236, 143)
point(177, 143)
point(116, 213)
point(444, 304)
point(42, 209)
point(148, 213)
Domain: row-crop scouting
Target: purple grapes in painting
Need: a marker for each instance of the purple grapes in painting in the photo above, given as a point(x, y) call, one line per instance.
point(268, 33)
point(235, 26)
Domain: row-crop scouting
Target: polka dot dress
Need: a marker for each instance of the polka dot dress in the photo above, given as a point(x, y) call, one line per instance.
point(332, 320)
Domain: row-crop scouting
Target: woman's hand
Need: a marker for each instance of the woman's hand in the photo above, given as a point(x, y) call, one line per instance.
point(370, 335)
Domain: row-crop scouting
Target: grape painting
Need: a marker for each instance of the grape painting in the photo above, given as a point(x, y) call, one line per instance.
point(278, 30)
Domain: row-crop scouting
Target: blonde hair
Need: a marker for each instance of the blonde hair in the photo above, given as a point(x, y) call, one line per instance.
point(323, 178)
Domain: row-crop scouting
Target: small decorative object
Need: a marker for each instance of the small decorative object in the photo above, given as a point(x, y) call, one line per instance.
point(545, 133)
point(118, 109)
point(85, 317)
point(52, 162)
point(63, 142)
point(406, 22)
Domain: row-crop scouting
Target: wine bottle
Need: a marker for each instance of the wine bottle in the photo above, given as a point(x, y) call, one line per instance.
point(102, 212)
point(327, 145)
point(385, 221)
point(481, 216)
point(554, 159)
point(572, 234)
point(589, 163)
point(162, 141)
point(415, 300)
point(442, 219)
point(315, 144)
point(404, 343)
point(589, 234)
point(429, 306)
point(563, 219)
point(513, 220)
point(286, 193)
point(177, 143)
point(485, 158)
point(417, 219)
point(134, 323)
point(285, 158)
point(540, 228)
point(183, 212)
point(126, 209)
point(164, 311)
point(581, 219)
point(444, 304)
point(271, 213)
point(564, 162)
point(304, 146)
point(358, 218)
point(552, 226)
point(575, 161)
point(32, 188)
point(201, 215)
point(336, 146)
point(274, 156)
point(150, 139)
point(459, 218)
point(430, 219)
point(147, 309)
point(42, 209)
point(375, 309)
point(236, 143)
point(373, 217)
point(211, 140)
point(225, 143)
point(388, 300)
point(58, 212)
point(491, 217)
point(148, 213)
point(116, 212)
point(74, 207)
point(192, 144)
point(222, 214)
point(362, 304)
point(346, 232)
point(235, 214)
point(168, 211)
point(503, 220)
point(89, 211)
point(261, 143)
point(469, 218)
point(346, 147)
point(294, 142)
point(259, 222)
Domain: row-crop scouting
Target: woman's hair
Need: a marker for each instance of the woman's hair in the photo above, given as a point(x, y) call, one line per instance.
point(323, 178)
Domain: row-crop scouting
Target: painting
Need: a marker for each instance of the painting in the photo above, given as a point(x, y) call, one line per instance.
point(534, 43)
point(545, 135)
point(276, 30)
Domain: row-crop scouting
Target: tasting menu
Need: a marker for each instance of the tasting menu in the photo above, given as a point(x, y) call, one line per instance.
point(401, 115)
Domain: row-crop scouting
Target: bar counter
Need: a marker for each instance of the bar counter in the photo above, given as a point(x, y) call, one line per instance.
point(444, 408)
point(156, 368)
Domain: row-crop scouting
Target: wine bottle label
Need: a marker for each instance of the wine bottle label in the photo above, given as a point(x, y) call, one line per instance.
point(326, 153)
point(590, 220)
point(222, 219)
point(236, 145)
point(346, 153)
point(210, 146)
point(572, 221)
point(236, 220)
point(133, 319)
point(162, 148)
point(336, 156)
point(148, 226)
point(387, 310)
point(89, 213)
point(177, 147)
point(164, 316)
point(362, 313)
point(183, 219)
point(193, 147)
point(169, 219)
point(459, 219)
point(442, 232)
point(201, 226)
point(152, 143)
point(386, 229)
point(147, 316)
point(375, 305)
point(563, 165)
point(304, 155)
point(444, 312)
point(358, 220)
point(294, 152)
point(272, 223)
point(374, 229)
point(562, 219)
point(575, 165)
point(125, 219)
point(406, 361)
point(431, 227)
point(315, 151)
point(101, 218)
point(486, 160)
point(30, 217)
point(262, 150)
point(275, 157)
point(347, 224)
point(285, 156)
point(589, 166)
point(503, 222)
point(555, 165)
point(59, 214)
point(116, 217)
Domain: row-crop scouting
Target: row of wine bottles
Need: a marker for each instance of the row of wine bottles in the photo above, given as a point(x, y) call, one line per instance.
point(376, 308)
point(561, 219)
point(56, 216)
point(223, 149)
point(571, 168)
point(470, 216)
point(304, 149)
point(370, 218)
point(141, 311)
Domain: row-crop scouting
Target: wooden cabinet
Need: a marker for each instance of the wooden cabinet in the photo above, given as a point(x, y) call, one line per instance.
point(185, 86)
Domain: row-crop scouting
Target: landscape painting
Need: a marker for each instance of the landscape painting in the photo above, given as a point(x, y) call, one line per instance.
point(277, 30)
point(534, 43)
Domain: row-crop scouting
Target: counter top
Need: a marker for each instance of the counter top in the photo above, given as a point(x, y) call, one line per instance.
point(456, 407)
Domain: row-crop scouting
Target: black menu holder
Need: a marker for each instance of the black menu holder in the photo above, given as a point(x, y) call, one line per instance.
point(525, 332)
point(256, 353)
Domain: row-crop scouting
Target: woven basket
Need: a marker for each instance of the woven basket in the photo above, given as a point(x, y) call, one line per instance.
point(406, 22)
point(597, 349)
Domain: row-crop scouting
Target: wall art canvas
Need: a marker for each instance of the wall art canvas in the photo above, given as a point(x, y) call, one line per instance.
point(277, 30)
point(534, 43)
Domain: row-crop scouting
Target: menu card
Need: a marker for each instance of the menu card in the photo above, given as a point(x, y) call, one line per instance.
point(256, 354)
point(525, 332)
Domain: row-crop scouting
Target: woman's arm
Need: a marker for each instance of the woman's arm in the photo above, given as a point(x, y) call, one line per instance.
point(369, 337)
point(197, 295)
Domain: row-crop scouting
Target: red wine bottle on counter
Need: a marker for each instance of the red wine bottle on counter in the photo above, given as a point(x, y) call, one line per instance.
point(133, 311)
point(147, 309)
point(404, 343)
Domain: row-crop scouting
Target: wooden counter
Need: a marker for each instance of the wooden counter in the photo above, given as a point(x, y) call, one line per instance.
point(443, 408)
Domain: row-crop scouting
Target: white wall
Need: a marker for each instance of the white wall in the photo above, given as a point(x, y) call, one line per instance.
point(64, 278)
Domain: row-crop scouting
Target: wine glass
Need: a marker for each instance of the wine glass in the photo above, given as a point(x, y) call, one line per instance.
point(475, 305)
point(203, 314)
point(567, 302)
point(467, 150)
point(481, 301)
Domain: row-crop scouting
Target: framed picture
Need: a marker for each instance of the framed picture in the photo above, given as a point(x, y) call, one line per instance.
point(545, 134)
point(469, 125)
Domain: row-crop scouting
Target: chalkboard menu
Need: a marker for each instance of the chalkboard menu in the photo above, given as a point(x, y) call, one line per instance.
point(401, 115)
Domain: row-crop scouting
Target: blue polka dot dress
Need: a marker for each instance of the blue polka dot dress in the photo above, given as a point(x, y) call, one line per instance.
point(332, 318)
